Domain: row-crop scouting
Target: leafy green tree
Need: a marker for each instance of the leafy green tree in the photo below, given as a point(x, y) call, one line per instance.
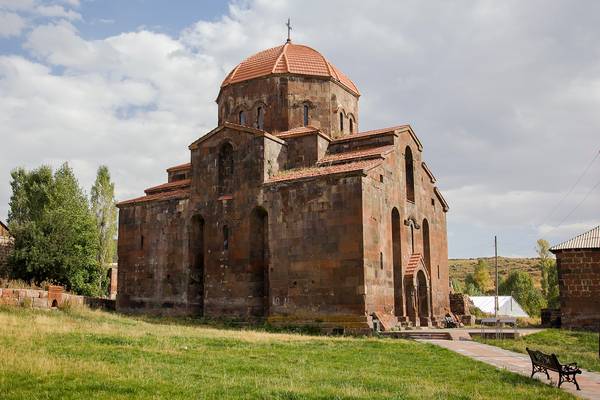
point(519, 284)
point(547, 266)
point(55, 234)
point(105, 212)
point(482, 278)
point(457, 286)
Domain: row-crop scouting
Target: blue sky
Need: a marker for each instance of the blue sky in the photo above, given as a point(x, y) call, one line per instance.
point(503, 95)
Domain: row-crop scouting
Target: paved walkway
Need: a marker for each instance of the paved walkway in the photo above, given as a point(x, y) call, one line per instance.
point(520, 363)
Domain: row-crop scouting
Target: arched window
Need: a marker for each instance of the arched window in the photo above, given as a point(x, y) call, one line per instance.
point(305, 117)
point(351, 126)
point(225, 237)
point(397, 262)
point(410, 177)
point(426, 246)
point(260, 118)
point(242, 118)
point(412, 238)
point(341, 122)
point(225, 168)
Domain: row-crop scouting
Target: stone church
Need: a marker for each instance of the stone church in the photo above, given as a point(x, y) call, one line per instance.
point(289, 213)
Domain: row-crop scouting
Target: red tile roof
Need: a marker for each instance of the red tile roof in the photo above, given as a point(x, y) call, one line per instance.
point(303, 130)
point(161, 196)
point(181, 167)
point(368, 134)
point(288, 59)
point(413, 263)
point(375, 152)
point(312, 172)
point(169, 186)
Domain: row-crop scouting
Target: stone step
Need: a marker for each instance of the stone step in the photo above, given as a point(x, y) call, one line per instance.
point(416, 334)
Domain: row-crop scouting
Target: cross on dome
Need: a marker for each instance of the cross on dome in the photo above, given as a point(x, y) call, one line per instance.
point(289, 28)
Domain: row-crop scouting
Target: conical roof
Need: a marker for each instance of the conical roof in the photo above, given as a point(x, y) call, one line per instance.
point(288, 59)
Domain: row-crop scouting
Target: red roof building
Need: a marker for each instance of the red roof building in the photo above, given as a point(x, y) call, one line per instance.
point(288, 212)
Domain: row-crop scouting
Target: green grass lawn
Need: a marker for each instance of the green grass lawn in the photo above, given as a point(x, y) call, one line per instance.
point(97, 355)
point(569, 346)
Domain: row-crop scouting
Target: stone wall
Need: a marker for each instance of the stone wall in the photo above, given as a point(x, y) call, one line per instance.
point(153, 269)
point(6, 246)
point(384, 194)
point(282, 99)
point(45, 299)
point(37, 298)
point(579, 284)
point(459, 304)
point(316, 269)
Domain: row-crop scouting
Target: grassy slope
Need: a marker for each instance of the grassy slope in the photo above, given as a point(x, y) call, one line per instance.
point(459, 267)
point(569, 346)
point(93, 355)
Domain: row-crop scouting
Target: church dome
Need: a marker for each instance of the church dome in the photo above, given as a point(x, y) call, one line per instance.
point(288, 59)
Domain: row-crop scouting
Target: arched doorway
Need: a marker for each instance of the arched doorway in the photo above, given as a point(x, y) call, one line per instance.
point(195, 292)
point(259, 261)
point(417, 291)
point(423, 298)
point(397, 263)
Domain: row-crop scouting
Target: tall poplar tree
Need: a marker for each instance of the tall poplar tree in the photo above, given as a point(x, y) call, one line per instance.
point(103, 208)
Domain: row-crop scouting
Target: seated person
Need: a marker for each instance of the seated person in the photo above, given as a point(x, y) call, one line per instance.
point(450, 322)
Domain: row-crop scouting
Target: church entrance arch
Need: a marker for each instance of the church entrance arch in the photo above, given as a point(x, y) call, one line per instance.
point(422, 296)
point(417, 292)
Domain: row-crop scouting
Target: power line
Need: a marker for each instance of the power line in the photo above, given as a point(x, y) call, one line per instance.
point(576, 207)
point(570, 190)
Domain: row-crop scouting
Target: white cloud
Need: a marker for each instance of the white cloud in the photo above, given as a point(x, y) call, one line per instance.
point(11, 24)
point(17, 4)
point(57, 11)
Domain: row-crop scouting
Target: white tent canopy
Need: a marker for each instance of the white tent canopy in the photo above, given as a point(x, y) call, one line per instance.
point(507, 306)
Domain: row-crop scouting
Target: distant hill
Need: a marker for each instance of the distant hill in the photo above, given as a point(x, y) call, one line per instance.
point(460, 267)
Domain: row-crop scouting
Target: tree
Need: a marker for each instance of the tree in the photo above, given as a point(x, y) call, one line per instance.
point(471, 287)
point(105, 212)
point(55, 233)
point(482, 278)
point(457, 286)
point(519, 284)
point(549, 272)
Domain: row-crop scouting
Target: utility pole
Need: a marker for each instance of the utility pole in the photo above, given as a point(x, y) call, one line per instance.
point(496, 265)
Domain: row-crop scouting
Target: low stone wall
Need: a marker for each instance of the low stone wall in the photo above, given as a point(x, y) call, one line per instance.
point(54, 297)
point(36, 298)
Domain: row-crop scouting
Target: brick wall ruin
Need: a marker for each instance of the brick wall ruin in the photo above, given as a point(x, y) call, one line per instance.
point(53, 297)
point(579, 284)
point(459, 304)
point(6, 246)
